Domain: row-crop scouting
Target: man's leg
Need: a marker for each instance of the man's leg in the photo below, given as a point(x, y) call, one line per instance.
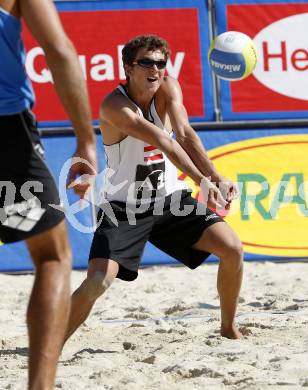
point(221, 240)
point(49, 304)
point(101, 273)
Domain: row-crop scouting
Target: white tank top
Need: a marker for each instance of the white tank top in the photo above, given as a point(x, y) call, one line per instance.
point(135, 169)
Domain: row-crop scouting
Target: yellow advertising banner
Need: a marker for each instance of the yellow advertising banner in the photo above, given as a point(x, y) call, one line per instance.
point(271, 213)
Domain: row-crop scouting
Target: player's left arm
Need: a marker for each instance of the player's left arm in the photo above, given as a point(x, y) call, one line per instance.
point(189, 139)
point(43, 21)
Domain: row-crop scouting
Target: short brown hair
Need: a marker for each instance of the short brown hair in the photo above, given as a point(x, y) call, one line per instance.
point(149, 42)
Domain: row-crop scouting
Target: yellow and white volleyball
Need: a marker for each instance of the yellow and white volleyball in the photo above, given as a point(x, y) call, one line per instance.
point(232, 56)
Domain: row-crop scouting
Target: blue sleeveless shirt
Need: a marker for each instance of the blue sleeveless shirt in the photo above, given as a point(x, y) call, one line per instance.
point(16, 93)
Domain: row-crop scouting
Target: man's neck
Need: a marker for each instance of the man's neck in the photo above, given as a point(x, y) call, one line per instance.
point(141, 98)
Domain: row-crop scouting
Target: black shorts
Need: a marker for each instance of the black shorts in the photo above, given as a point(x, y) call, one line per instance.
point(173, 234)
point(26, 184)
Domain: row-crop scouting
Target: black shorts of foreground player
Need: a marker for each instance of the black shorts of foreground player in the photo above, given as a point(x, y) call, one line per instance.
point(27, 187)
point(137, 120)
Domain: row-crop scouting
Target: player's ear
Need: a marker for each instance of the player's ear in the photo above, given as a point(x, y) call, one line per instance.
point(128, 70)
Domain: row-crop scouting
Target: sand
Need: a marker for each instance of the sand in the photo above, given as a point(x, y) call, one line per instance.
point(162, 332)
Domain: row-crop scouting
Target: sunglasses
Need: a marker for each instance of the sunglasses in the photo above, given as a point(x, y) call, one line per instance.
point(148, 63)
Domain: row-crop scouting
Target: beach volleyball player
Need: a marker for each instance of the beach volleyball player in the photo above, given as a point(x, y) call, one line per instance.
point(26, 185)
point(143, 192)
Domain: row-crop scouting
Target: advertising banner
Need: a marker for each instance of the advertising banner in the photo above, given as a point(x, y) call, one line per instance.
point(270, 215)
point(99, 29)
point(278, 88)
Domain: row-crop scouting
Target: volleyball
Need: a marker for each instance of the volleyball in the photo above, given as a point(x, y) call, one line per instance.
point(232, 56)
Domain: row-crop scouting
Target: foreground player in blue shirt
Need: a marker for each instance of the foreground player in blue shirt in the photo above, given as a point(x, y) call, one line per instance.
point(27, 187)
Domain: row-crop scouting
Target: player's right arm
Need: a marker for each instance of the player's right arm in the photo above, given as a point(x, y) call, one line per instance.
point(43, 21)
point(116, 112)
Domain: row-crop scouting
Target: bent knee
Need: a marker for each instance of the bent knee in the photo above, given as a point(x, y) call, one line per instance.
point(237, 249)
point(233, 250)
point(96, 284)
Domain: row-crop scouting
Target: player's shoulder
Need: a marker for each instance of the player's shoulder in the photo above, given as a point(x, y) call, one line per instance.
point(111, 98)
point(170, 82)
point(170, 90)
point(170, 87)
point(114, 103)
point(114, 100)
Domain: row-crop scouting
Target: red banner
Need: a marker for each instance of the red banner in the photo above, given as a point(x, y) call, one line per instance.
point(280, 79)
point(99, 36)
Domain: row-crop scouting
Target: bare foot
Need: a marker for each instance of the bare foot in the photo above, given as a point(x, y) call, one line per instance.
point(231, 332)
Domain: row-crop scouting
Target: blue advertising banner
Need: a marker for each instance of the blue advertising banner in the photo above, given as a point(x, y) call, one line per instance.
point(270, 215)
point(278, 87)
